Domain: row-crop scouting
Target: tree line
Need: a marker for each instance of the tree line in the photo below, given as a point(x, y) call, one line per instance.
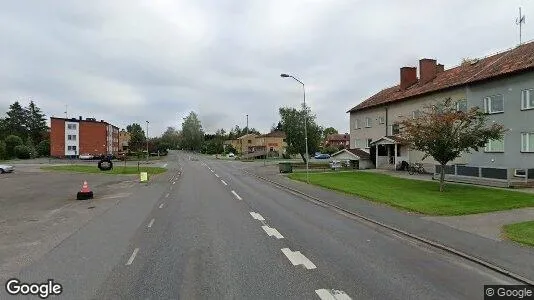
point(23, 132)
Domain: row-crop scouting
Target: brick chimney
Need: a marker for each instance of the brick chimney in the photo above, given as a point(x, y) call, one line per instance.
point(427, 70)
point(408, 77)
point(440, 68)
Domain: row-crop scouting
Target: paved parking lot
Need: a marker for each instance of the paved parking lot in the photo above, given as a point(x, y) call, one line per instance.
point(39, 210)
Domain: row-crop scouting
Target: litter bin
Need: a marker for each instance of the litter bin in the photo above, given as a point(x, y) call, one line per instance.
point(285, 167)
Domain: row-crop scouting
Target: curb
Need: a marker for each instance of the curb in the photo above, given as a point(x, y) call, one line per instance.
point(448, 249)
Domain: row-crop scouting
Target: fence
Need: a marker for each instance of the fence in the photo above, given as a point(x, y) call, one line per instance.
point(502, 177)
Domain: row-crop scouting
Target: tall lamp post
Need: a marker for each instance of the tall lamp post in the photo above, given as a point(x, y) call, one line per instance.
point(147, 141)
point(305, 123)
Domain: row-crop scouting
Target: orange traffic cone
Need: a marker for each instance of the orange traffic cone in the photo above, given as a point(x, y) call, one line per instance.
point(85, 192)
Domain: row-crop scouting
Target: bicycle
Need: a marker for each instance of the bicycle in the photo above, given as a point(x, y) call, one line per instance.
point(416, 168)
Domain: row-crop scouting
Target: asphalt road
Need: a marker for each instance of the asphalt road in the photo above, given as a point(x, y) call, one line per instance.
point(212, 232)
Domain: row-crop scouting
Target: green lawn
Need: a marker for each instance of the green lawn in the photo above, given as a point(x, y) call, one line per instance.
point(520, 232)
point(117, 170)
point(420, 196)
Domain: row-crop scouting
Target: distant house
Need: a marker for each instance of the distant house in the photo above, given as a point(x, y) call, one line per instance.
point(337, 140)
point(124, 140)
point(274, 143)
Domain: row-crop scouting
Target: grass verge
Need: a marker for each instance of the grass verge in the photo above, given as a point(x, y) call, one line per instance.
point(420, 196)
point(520, 232)
point(117, 170)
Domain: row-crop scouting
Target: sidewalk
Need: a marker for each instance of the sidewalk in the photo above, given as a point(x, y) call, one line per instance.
point(505, 254)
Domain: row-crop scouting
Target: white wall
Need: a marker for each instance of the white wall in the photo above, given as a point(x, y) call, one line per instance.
point(72, 143)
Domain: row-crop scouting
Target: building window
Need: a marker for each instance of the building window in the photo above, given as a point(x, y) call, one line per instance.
point(527, 142)
point(71, 148)
point(494, 104)
point(381, 120)
point(71, 126)
point(526, 101)
point(356, 125)
point(495, 146)
point(71, 137)
point(367, 122)
point(395, 129)
point(357, 143)
point(461, 105)
point(368, 143)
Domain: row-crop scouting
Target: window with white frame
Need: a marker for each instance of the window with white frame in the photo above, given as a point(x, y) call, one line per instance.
point(368, 143)
point(71, 148)
point(357, 143)
point(381, 120)
point(494, 104)
point(495, 146)
point(527, 102)
point(71, 137)
point(367, 122)
point(71, 126)
point(356, 124)
point(461, 105)
point(527, 142)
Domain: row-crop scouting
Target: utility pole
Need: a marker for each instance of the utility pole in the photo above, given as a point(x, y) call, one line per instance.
point(247, 125)
point(147, 142)
point(66, 106)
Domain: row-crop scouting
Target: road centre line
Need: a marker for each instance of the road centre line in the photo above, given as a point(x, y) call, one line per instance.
point(257, 216)
point(297, 258)
point(236, 195)
point(325, 294)
point(224, 182)
point(151, 223)
point(272, 232)
point(167, 196)
point(132, 257)
point(217, 175)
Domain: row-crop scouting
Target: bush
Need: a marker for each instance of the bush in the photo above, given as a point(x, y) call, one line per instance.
point(43, 148)
point(3, 152)
point(286, 156)
point(12, 141)
point(22, 152)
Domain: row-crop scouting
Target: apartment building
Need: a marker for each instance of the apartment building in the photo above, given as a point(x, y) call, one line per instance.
point(500, 84)
point(74, 137)
point(274, 142)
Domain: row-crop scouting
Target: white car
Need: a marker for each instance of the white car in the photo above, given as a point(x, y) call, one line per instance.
point(86, 156)
point(6, 169)
point(231, 154)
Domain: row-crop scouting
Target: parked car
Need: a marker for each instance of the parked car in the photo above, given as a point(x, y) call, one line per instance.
point(6, 169)
point(335, 164)
point(231, 154)
point(322, 156)
point(86, 156)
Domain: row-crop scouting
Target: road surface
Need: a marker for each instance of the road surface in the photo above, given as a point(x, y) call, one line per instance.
point(206, 230)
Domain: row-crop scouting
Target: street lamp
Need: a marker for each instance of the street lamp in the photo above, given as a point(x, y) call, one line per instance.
point(147, 141)
point(305, 121)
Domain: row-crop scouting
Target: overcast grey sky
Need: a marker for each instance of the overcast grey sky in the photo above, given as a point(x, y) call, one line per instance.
point(130, 61)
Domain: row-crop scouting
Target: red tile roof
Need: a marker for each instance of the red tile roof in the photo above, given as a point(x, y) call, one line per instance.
point(276, 133)
point(516, 60)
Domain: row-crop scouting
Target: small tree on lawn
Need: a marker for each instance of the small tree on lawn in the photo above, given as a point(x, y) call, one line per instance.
point(444, 133)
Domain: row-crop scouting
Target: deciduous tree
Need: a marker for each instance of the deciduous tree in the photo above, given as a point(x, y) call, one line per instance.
point(444, 133)
point(292, 121)
point(137, 137)
point(192, 133)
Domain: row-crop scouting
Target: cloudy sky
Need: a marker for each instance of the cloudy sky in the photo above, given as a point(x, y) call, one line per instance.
point(129, 61)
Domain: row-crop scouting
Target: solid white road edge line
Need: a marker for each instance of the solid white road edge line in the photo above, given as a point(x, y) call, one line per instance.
point(325, 294)
point(161, 205)
point(236, 195)
point(272, 232)
point(151, 223)
point(224, 182)
point(297, 258)
point(257, 216)
point(132, 257)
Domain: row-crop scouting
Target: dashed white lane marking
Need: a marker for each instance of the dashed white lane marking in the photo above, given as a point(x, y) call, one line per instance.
point(236, 195)
point(173, 182)
point(297, 258)
point(217, 175)
point(167, 196)
point(132, 257)
point(224, 182)
point(165, 165)
point(151, 223)
point(161, 205)
point(272, 232)
point(325, 294)
point(212, 171)
point(257, 216)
